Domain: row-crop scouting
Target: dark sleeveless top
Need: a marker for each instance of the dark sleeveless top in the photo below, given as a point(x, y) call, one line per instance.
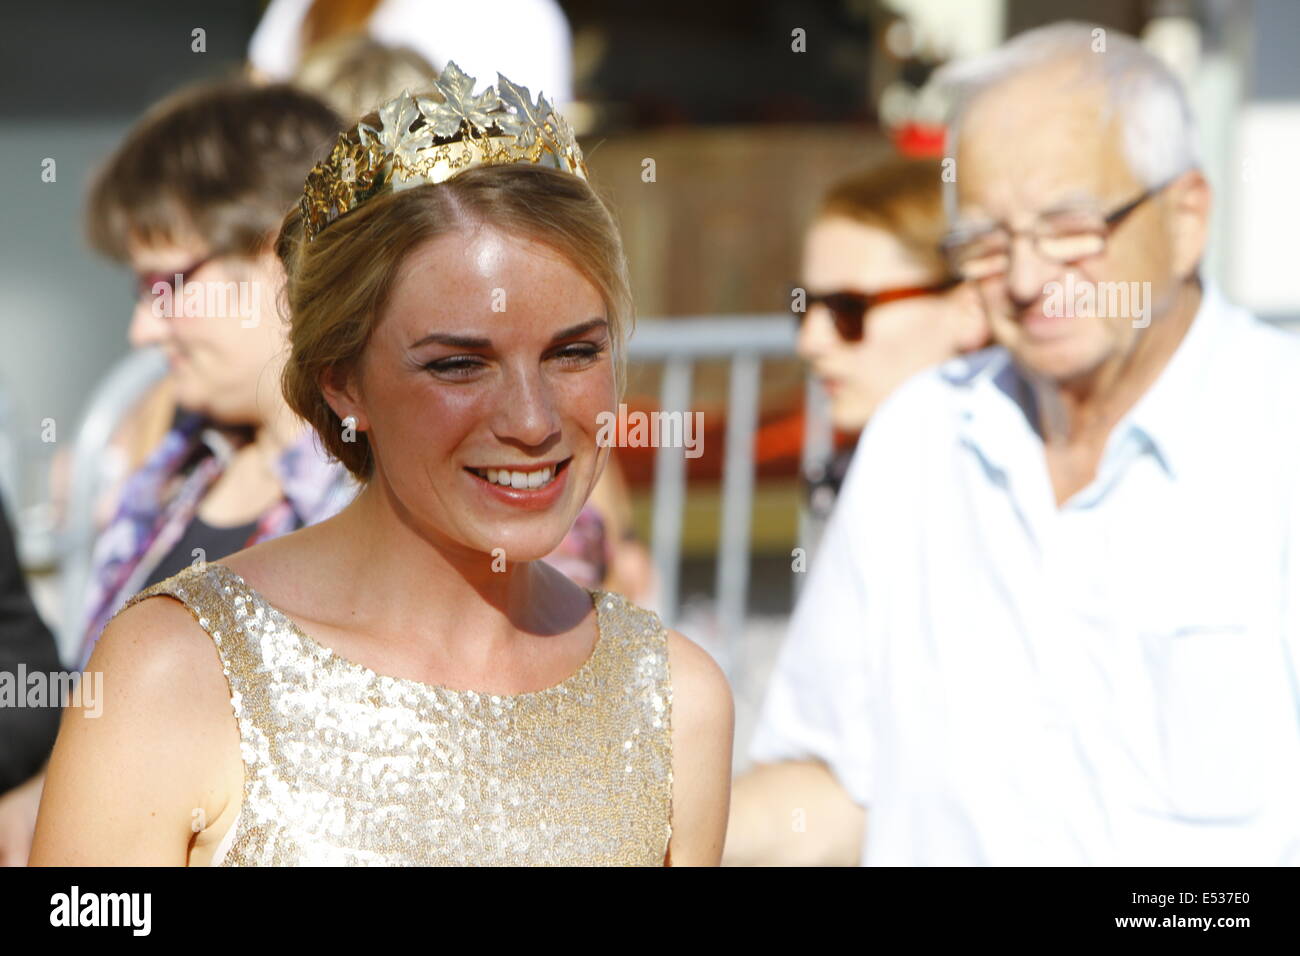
point(211, 542)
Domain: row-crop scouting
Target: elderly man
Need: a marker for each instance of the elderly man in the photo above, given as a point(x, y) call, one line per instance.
point(1055, 618)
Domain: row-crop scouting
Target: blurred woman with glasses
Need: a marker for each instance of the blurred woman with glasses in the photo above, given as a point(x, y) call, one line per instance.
point(877, 302)
point(191, 202)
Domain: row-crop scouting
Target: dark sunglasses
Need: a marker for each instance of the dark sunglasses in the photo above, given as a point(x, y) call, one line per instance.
point(849, 309)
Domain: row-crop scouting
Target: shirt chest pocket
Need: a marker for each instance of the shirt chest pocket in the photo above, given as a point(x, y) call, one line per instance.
point(1222, 709)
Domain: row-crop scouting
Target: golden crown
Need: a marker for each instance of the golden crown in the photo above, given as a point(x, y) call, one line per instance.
point(425, 139)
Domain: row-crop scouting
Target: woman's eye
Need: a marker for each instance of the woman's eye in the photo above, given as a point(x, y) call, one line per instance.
point(458, 366)
point(578, 354)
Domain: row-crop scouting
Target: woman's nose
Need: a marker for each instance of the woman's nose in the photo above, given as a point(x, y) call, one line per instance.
point(528, 413)
point(147, 326)
point(817, 333)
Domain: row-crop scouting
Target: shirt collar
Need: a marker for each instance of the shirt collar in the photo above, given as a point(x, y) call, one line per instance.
point(995, 407)
point(998, 406)
point(1169, 414)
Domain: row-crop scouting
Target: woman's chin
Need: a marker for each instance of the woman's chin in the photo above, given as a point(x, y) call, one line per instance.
point(500, 556)
point(515, 545)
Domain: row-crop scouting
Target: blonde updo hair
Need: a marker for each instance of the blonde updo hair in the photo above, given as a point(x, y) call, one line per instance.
point(337, 285)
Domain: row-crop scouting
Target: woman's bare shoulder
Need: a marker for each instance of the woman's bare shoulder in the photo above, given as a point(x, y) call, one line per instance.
point(701, 692)
point(157, 644)
point(144, 743)
point(703, 727)
point(164, 681)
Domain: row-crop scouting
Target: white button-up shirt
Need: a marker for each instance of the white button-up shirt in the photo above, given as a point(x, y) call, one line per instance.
point(1114, 681)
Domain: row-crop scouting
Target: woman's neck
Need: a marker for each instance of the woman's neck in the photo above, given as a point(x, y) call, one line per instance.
point(277, 432)
point(399, 574)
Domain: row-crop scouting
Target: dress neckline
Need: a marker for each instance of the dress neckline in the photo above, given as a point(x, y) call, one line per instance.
point(601, 600)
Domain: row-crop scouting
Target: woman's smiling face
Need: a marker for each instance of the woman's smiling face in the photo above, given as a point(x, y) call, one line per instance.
point(481, 389)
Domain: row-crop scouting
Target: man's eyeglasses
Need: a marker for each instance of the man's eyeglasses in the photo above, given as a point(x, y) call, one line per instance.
point(849, 309)
point(1064, 237)
point(145, 281)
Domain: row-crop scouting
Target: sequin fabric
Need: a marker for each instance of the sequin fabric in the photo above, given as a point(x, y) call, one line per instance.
point(344, 766)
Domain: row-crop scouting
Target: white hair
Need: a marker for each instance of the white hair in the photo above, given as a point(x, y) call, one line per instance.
point(1159, 130)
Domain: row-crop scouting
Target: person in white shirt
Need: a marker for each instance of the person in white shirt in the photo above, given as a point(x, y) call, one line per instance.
point(1054, 619)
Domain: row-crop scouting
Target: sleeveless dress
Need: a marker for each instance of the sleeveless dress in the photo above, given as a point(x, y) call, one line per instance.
point(344, 766)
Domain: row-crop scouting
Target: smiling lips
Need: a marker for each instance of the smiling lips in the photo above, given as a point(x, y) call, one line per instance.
point(518, 478)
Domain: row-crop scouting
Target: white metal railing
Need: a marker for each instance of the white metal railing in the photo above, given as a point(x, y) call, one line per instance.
point(744, 340)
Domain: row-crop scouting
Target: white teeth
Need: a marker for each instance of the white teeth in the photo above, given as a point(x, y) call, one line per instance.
point(518, 479)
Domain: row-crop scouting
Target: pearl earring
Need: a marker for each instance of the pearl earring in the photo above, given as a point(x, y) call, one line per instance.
point(350, 422)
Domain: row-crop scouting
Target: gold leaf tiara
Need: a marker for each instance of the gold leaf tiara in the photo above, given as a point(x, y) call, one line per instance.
point(422, 140)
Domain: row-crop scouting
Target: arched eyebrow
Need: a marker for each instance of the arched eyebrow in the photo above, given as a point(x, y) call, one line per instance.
point(478, 342)
point(582, 328)
point(453, 341)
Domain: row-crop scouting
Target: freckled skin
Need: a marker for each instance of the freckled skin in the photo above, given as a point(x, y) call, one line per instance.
point(524, 397)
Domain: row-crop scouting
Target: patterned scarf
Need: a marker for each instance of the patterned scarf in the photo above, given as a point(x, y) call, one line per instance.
point(160, 501)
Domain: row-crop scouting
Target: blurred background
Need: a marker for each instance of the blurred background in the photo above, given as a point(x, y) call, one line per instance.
point(748, 111)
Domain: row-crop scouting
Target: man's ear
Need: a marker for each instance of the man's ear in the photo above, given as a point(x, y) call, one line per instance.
point(341, 392)
point(1191, 199)
point(969, 321)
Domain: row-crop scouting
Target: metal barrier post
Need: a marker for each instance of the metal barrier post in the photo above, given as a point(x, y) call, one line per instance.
point(737, 504)
point(670, 489)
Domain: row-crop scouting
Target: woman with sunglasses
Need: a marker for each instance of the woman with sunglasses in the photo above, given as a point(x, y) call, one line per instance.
point(878, 301)
point(877, 305)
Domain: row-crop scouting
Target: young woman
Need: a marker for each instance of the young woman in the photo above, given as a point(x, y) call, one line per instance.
point(409, 682)
point(881, 303)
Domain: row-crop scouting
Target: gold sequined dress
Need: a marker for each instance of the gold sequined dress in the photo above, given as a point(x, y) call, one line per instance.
point(344, 766)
